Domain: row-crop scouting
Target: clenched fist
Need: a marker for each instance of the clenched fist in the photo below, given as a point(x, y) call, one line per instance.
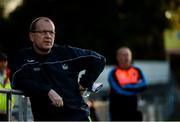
point(55, 98)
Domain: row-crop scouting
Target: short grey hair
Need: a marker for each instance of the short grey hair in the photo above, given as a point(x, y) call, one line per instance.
point(34, 22)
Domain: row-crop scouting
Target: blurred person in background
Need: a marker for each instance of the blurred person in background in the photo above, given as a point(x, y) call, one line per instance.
point(126, 81)
point(48, 74)
point(4, 84)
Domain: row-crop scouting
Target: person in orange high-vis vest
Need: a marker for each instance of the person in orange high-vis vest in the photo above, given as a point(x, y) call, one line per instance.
point(4, 84)
point(126, 81)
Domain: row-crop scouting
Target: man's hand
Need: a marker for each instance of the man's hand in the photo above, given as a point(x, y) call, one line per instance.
point(55, 98)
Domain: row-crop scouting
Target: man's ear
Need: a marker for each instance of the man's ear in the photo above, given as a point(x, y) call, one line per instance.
point(31, 36)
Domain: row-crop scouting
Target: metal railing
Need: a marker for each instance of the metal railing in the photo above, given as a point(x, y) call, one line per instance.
point(9, 93)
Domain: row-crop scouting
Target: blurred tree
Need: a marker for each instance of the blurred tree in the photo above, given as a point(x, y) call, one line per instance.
point(140, 25)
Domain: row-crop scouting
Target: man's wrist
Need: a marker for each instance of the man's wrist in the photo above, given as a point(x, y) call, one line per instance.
point(81, 88)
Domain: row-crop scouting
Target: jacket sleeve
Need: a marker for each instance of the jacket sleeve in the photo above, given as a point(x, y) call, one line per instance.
point(90, 61)
point(21, 79)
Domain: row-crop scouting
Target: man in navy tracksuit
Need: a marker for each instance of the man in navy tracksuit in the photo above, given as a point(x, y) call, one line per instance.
point(48, 74)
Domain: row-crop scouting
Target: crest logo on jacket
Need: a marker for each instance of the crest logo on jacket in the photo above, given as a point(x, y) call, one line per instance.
point(36, 69)
point(30, 61)
point(65, 67)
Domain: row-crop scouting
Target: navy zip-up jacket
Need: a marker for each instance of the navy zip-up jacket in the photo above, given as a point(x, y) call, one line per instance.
point(36, 74)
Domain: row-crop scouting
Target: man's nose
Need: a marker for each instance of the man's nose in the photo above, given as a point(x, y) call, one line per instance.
point(48, 34)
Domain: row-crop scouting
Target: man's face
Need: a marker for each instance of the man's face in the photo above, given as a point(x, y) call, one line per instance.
point(43, 37)
point(3, 65)
point(124, 57)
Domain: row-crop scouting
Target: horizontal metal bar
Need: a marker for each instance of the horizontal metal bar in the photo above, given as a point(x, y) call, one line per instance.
point(12, 91)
